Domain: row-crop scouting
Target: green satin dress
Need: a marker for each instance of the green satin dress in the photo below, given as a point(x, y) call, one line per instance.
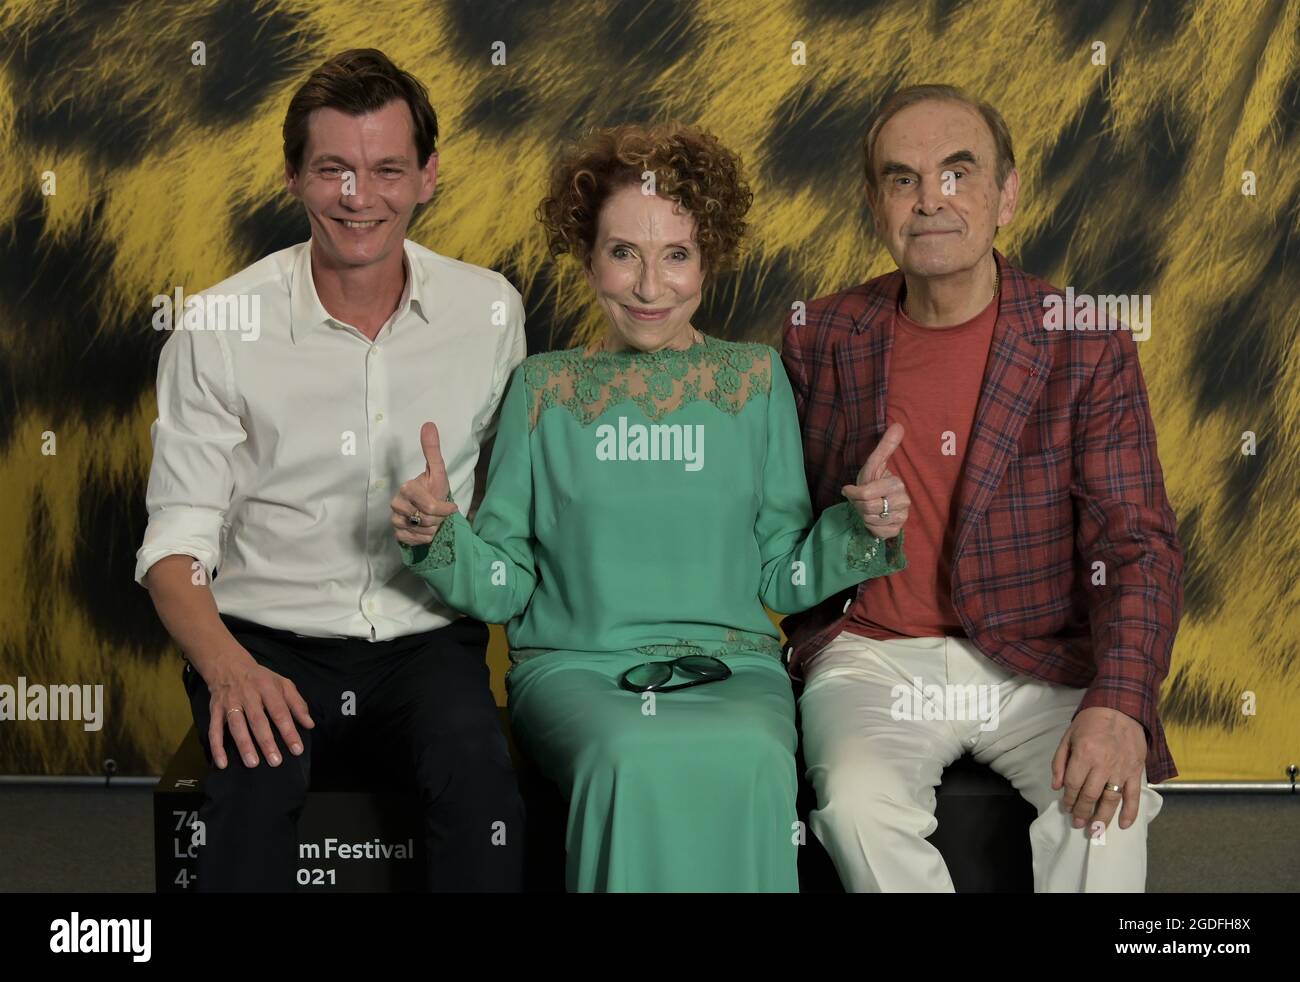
point(642, 506)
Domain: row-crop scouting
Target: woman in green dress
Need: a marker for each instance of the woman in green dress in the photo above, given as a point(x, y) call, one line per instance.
point(646, 499)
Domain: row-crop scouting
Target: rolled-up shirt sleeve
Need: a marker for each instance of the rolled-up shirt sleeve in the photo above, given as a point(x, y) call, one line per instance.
point(191, 482)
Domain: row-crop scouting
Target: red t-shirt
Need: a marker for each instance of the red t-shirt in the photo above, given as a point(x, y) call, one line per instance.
point(935, 374)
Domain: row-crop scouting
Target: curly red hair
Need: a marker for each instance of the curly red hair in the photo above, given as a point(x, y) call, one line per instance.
point(690, 166)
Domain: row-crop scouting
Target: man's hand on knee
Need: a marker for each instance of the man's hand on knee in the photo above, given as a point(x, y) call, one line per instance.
point(247, 700)
point(1101, 748)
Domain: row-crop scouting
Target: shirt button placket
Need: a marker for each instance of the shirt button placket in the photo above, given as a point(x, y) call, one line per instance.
point(375, 393)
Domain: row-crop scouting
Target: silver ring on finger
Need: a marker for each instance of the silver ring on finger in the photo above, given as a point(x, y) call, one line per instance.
point(884, 507)
point(231, 712)
point(1114, 787)
point(415, 519)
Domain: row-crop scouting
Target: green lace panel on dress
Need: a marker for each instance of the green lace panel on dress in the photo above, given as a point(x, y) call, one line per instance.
point(439, 553)
point(658, 382)
point(864, 548)
point(736, 642)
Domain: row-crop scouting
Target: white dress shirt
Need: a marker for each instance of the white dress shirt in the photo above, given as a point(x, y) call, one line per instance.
point(279, 446)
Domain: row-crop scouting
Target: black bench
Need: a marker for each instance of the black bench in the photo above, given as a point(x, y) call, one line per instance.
point(983, 832)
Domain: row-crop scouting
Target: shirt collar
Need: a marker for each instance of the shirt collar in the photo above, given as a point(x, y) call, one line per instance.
point(306, 312)
point(875, 301)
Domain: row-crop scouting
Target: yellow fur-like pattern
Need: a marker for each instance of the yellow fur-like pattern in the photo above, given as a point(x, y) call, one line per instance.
point(168, 173)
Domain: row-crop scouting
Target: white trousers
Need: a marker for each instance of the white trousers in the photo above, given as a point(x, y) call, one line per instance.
point(875, 759)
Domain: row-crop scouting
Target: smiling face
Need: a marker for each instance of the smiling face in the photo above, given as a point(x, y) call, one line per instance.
point(927, 231)
point(364, 227)
point(646, 270)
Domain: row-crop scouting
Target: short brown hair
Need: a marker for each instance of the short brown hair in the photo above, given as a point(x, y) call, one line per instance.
point(358, 81)
point(910, 96)
point(690, 166)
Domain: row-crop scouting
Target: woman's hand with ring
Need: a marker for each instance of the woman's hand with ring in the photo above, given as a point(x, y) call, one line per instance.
point(878, 496)
point(422, 503)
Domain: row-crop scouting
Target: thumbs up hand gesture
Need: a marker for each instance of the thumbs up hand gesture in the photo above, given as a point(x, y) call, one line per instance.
point(880, 497)
point(422, 503)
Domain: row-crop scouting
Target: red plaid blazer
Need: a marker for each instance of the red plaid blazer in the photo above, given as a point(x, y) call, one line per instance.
point(1061, 472)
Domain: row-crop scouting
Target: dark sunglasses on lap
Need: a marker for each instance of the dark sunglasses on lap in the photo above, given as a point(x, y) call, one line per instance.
point(654, 676)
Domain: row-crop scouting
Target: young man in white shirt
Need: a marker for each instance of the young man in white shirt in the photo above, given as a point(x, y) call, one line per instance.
point(313, 656)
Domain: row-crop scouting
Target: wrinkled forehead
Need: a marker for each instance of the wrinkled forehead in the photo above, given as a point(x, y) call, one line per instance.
point(633, 216)
point(385, 133)
point(924, 134)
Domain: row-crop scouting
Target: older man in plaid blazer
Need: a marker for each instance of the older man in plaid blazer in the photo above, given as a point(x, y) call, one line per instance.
point(1033, 625)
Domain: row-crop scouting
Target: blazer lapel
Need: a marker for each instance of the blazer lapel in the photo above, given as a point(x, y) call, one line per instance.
point(1015, 374)
point(862, 370)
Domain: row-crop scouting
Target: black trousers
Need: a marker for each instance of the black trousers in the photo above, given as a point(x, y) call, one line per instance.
point(413, 713)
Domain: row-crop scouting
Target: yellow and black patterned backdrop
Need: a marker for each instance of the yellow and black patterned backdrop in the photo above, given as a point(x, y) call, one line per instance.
point(1157, 146)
